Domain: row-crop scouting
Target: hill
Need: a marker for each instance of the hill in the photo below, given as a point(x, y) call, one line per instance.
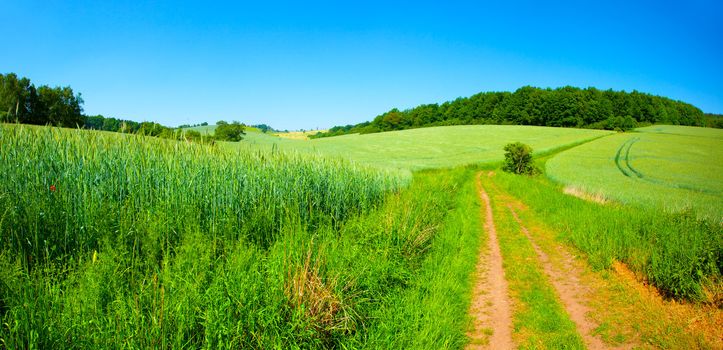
point(436, 147)
point(251, 245)
point(210, 129)
point(669, 167)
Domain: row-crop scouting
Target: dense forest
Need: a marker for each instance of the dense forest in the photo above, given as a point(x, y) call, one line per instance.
point(714, 120)
point(561, 107)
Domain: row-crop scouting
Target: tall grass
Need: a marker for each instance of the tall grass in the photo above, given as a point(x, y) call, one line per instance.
point(438, 231)
point(146, 243)
point(64, 191)
point(678, 253)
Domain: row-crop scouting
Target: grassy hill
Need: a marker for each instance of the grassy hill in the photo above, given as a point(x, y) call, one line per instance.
point(298, 135)
point(111, 239)
point(437, 147)
point(210, 129)
point(671, 167)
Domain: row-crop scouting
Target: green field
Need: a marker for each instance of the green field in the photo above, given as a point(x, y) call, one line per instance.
point(670, 167)
point(114, 240)
point(210, 129)
point(118, 240)
point(203, 129)
point(437, 147)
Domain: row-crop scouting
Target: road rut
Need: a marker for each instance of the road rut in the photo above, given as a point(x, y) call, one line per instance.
point(490, 309)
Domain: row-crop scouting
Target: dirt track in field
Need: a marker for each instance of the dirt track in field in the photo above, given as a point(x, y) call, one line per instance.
point(613, 312)
point(566, 281)
point(490, 307)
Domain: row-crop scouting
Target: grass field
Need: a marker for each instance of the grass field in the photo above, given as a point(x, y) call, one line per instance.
point(203, 129)
point(210, 129)
point(670, 167)
point(121, 240)
point(675, 252)
point(298, 135)
point(437, 147)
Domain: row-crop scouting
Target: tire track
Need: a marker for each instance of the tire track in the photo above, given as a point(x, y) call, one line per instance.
point(624, 164)
point(569, 289)
point(620, 159)
point(490, 308)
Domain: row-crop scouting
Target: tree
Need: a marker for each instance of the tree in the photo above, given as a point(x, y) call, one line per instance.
point(94, 122)
point(518, 159)
point(192, 135)
point(229, 131)
point(20, 101)
point(264, 128)
point(16, 98)
point(58, 106)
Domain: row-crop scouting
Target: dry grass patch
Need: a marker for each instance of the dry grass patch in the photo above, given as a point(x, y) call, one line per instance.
point(298, 135)
point(318, 299)
point(590, 197)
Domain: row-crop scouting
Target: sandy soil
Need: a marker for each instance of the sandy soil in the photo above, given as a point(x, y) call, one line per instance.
point(572, 293)
point(490, 307)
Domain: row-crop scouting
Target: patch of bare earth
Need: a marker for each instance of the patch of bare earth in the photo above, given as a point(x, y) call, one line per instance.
point(490, 309)
point(565, 278)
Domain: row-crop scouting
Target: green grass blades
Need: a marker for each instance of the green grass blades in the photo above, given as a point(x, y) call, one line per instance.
point(540, 321)
point(431, 311)
point(436, 147)
point(677, 253)
point(672, 168)
point(64, 191)
point(145, 243)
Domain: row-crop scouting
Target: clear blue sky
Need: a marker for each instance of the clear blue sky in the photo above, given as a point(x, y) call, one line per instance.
point(307, 65)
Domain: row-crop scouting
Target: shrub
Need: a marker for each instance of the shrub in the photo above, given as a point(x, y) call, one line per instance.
point(518, 159)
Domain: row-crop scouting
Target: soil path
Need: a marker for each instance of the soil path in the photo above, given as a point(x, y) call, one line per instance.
point(490, 307)
point(565, 278)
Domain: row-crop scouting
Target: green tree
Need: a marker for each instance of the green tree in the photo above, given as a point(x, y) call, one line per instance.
point(16, 98)
point(94, 122)
point(192, 135)
point(58, 106)
point(229, 131)
point(20, 101)
point(518, 159)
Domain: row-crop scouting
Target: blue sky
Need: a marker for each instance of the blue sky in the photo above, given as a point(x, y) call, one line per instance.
point(306, 65)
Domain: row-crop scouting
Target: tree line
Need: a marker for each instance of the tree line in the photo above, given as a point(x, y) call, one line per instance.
point(182, 126)
point(224, 131)
point(22, 102)
point(562, 107)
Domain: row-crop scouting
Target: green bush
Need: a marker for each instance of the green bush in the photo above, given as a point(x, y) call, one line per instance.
point(518, 159)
